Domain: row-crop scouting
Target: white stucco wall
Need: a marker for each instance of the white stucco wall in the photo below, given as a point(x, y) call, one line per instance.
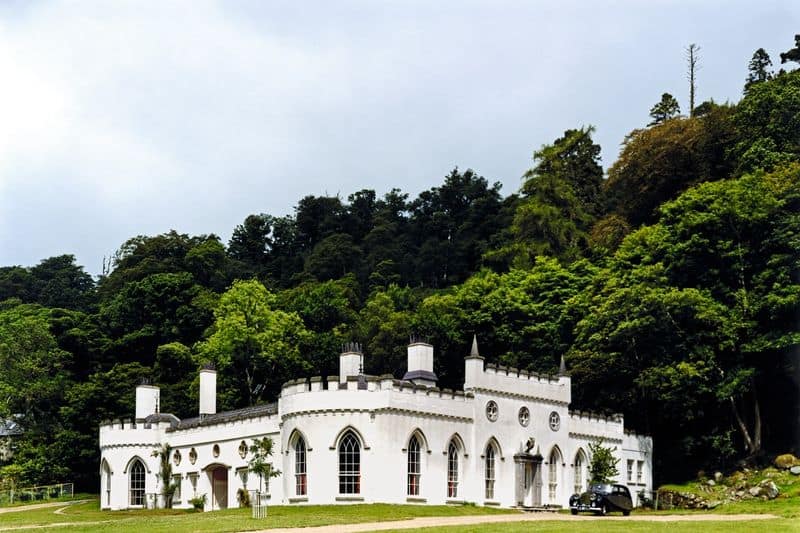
point(383, 415)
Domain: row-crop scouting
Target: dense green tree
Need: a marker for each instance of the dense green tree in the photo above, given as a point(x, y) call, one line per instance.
point(333, 257)
point(62, 283)
point(768, 124)
point(251, 240)
point(656, 164)
point(318, 217)
point(575, 158)
point(174, 371)
point(54, 282)
point(255, 346)
point(173, 252)
point(524, 317)
point(32, 386)
point(664, 110)
point(384, 328)
point(793, 54)
point(758, 69)
point(17, 282)
point(451, 227)
point(603, 465)
point(156, 310)
point(328, 310)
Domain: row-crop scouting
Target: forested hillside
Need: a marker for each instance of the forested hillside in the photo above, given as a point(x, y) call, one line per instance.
point(670, 282)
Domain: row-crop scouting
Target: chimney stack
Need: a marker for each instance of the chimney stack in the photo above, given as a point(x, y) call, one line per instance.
point(147, 399)
point(351, 361)
point(208, 390)
point(420, 363)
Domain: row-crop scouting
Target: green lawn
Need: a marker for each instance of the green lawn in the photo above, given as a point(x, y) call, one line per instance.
point(89, 517)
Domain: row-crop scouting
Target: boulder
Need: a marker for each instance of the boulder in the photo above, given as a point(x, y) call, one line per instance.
point(711, 482)
point(795, 470)
point(717, 476)
point(754, 491)
point(769, 489)
point(786, 461)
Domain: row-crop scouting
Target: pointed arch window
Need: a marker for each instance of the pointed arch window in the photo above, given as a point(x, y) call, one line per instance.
point(300, 479)
point(490, 472)
point(580, 464)
point(349, 464)
point(554, 460)
point(136, 483)
point(414, 470)
point(452, 470)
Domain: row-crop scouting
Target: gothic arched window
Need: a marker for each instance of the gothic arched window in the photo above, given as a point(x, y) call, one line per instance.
point(349, 464)
point(300, 479)
point(452, 470)
point(413, 466)
point(489, 472)
point(136, 483)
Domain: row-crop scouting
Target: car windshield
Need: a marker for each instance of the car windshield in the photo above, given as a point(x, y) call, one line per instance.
point(600, 487)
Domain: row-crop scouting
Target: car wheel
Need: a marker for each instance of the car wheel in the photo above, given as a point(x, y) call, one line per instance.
point(573, 511)
point(626, 513)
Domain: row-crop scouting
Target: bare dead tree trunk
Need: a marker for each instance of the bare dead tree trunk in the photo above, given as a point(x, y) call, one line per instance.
point(751, 439)
point(693, 60)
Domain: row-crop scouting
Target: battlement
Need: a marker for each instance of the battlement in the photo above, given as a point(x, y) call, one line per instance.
point(131, 432)
point(520, 374)
point(590, 416)
point(514, 382)
point(386, 382)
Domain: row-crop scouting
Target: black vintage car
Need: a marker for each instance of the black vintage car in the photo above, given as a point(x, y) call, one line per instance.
point(602, 498)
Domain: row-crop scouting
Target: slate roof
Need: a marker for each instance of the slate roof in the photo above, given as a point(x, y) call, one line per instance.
point(226, 416)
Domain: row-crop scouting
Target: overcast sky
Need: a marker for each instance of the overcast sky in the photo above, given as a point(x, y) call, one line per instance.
point(127, 118)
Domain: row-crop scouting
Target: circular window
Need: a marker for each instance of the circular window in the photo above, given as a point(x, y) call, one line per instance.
point(491, 410)
point(215, 450)
point(192, 455)
point(243, 449)
point(524, 416)
point(555, 421)
point(176, 457)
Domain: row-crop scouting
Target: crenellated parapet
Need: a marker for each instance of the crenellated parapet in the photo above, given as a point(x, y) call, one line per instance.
point(128, 432)
point(516, 383)
point(593, 426)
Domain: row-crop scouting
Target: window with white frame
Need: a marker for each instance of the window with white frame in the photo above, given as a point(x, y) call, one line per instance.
point(243, 474)
point(639, 471)
point(553, 462)
point(579, 465)
point(489, 472)
point(630, 470)
point(452, 470)
point(349, 464)
point(176, 496)
point(136, 483)
point(300, 480)
point(412, 488)
point(193, 480)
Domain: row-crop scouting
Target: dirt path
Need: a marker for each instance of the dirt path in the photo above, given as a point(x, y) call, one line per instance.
point(35, 506)
point(433, 522)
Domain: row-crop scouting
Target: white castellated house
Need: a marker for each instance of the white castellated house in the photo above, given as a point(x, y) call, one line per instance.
point(508, 439)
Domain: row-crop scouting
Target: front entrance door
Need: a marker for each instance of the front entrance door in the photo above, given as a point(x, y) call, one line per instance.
point(528, 480)
point(219, 488)
point(533, 484)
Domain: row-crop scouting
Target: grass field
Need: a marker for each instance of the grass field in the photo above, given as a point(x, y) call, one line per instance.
point(88, 517)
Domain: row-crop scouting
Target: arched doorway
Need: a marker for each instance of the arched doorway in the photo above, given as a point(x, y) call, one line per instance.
point(218, 479)
point(105, 485)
